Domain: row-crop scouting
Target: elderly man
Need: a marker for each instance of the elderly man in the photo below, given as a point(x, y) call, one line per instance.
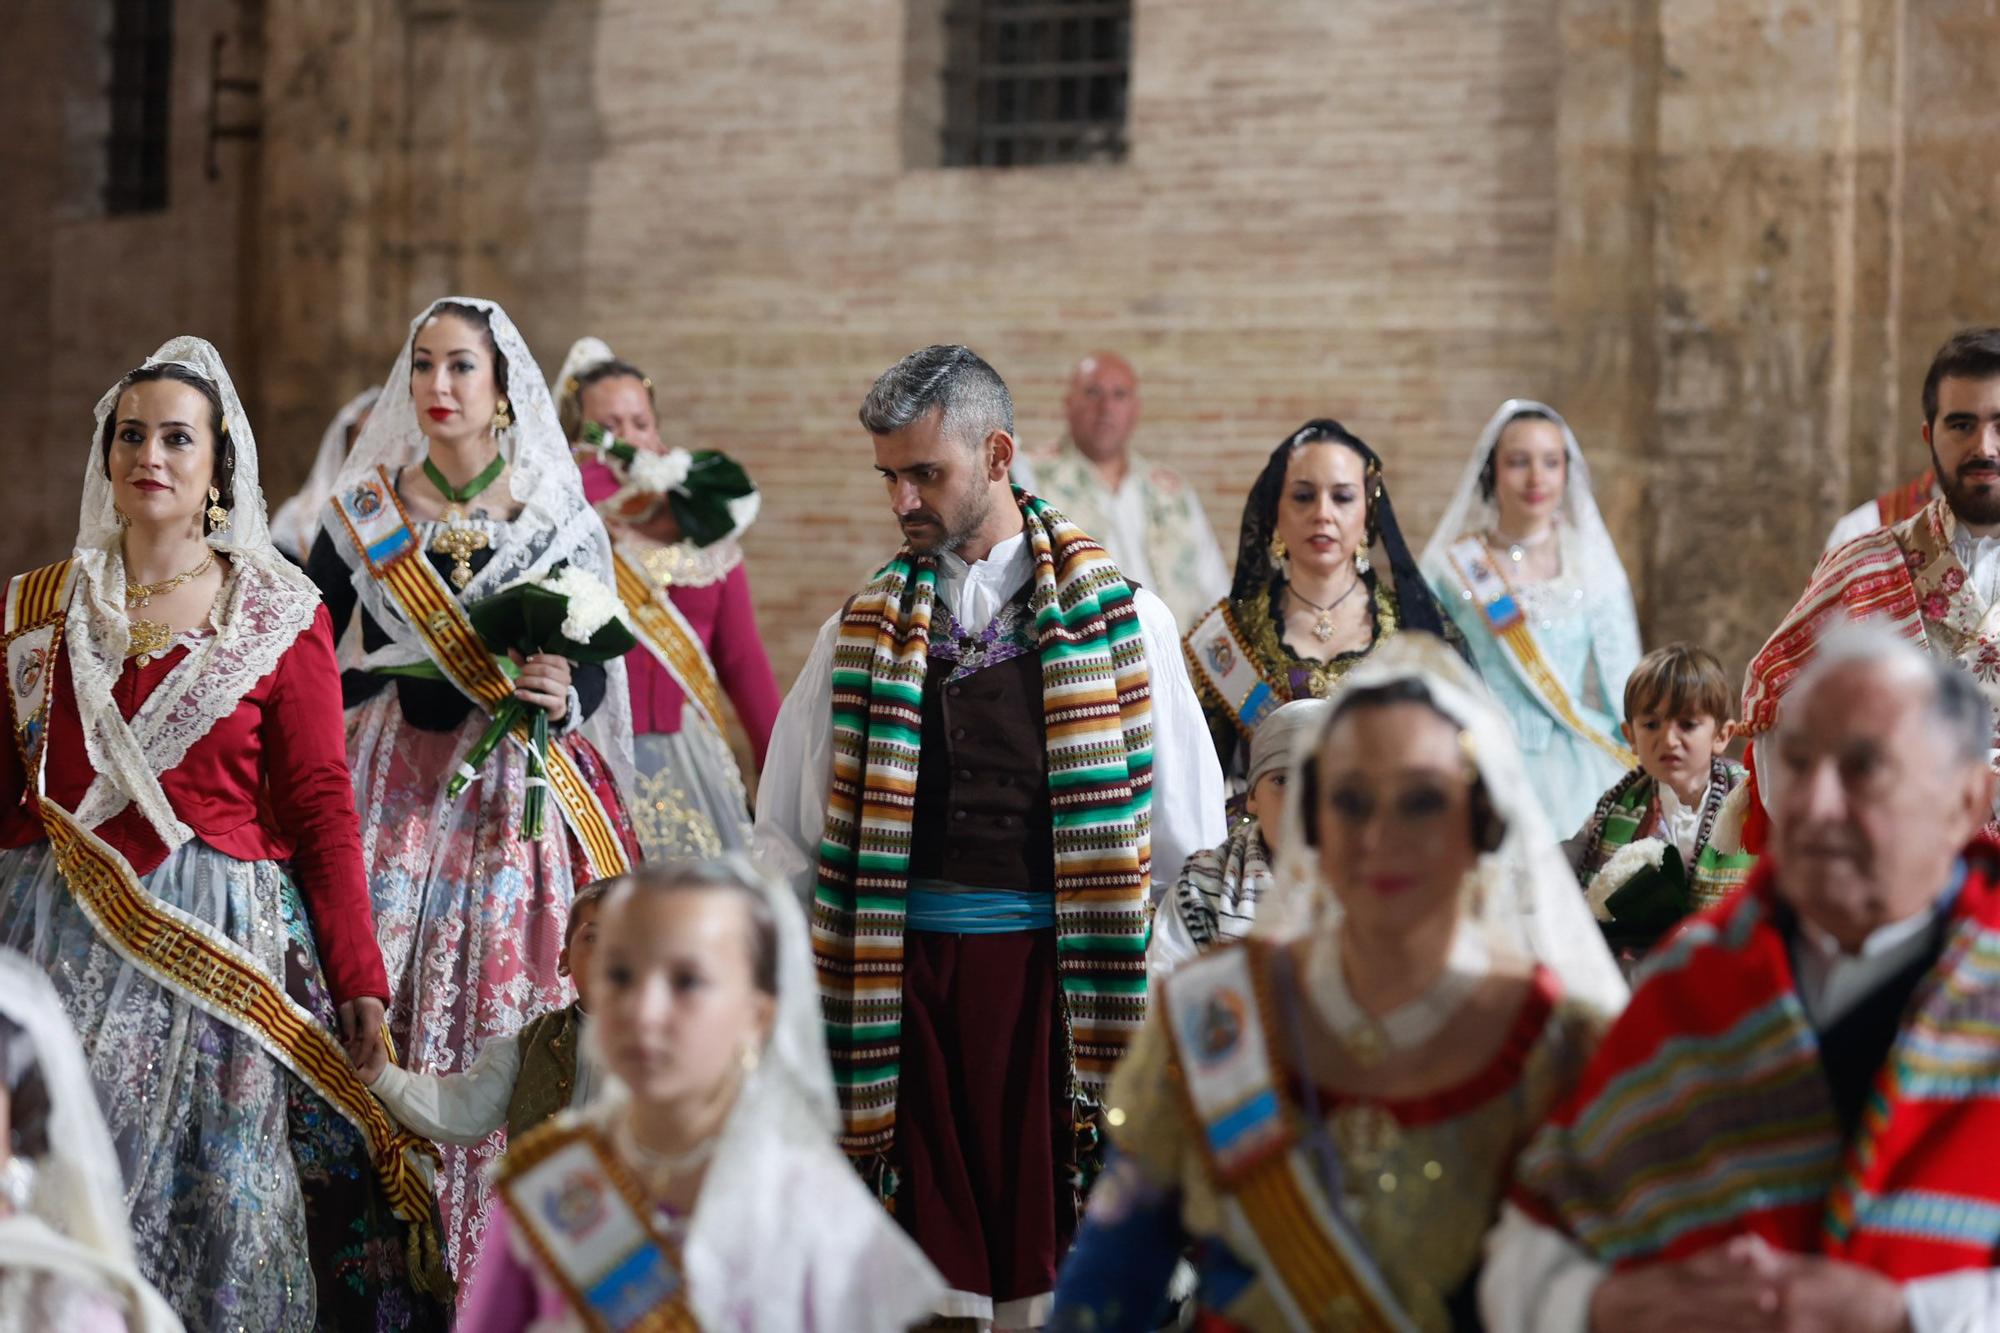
point(1792, 1125)
point(1149, 519)
point(990, 757)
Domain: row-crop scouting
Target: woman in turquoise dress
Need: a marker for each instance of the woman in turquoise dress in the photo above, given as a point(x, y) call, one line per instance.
point(1525, 568)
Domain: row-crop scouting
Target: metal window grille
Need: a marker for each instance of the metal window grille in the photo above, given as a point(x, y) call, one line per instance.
point(1033, 82)
point(142, 51)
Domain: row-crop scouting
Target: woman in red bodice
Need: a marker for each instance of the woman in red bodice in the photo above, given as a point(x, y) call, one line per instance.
point(177, 830)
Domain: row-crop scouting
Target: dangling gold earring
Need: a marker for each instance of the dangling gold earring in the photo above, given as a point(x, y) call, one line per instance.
point(1472, 893)
point(123, 519)
point(501, 417)
point(751, 1057)
point(1277, 549)
point(1362, 564)
point(218, 517)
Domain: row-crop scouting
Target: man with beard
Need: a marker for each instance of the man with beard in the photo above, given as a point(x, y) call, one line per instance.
point(990, 758)
point(1933, 578)
point(1148, 517)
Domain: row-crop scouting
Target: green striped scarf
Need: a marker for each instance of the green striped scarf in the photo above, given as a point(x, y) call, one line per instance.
point(1098, 720)
point(1720, 865)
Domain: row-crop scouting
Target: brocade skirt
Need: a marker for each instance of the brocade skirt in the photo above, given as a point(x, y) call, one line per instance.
point(253, 1203)
point(470, 915)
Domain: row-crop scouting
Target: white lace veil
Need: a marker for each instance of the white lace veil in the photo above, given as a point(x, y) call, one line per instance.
point(74, 1226)
point(265, 606)
point(1530, 905)
point(555, 526)
point(584, 354)
point(786, 1102)
point(1595, 565)
point(296, 524)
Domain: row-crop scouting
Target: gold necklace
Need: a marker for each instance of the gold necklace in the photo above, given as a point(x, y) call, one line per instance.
point(142, 594)
point(1323, 627)
point(147, 639)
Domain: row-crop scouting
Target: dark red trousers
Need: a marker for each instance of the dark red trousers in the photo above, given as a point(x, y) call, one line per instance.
point(983, 1128)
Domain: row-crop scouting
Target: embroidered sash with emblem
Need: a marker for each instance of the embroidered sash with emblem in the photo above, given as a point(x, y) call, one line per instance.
point(1319, 1271)
point(190, 958)
point(1216, 651)
point(374, 518)
point(1508, 624)
point(587, 1219)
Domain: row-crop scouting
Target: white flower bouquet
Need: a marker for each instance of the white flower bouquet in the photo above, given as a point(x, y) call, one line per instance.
point(567, 612)
point(1641, 893)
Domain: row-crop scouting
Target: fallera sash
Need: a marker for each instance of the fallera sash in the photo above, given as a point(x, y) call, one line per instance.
point(1320, 1273)
point(666, 634)
point(1508, 624)
point(1216, 652)
point(190, 958)
point(587, 1219)
point(380, 528)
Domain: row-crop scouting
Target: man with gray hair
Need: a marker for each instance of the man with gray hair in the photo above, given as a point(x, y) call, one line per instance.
point(1791, 1126)
point(991, 757)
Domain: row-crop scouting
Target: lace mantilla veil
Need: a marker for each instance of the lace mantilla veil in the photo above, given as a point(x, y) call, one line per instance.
point(556, 524)
point(74, 1227)
point(1596, 566)
point(787, 1102)
point(1530, 905)
point(297, 522)
point(266, 603)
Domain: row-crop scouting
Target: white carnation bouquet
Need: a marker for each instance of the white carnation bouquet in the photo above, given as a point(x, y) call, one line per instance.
point(566, 612)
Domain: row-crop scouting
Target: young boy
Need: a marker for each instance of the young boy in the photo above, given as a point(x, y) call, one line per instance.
point(1678, 708)
point(516, 1081)
point(1216, 899)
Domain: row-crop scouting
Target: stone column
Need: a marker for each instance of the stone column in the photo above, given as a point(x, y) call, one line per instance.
point(1725, 287)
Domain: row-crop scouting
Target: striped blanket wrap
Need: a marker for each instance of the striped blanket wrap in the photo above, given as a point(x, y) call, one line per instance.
point(1631, 809)
point(1098, 722)
point(1706, 1113)
point(1904, 578)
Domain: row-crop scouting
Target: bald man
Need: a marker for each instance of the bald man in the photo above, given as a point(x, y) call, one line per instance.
point(1145, 514)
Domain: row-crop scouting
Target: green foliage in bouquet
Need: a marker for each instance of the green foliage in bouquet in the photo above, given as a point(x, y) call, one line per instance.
point(712, 499)
point(1649, 904)
point(569, 614)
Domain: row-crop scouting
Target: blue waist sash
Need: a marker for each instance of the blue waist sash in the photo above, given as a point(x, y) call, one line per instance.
point(949, 910)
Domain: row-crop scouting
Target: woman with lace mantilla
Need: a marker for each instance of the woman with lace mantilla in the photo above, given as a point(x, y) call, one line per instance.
point(1329, 1111)
point(1523, 563)
point(1307, 602)
point(460, 485)
point(182, 860)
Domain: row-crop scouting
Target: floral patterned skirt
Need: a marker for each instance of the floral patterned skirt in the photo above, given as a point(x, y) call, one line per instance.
point(231, 1232)
point(469, 915)
point(688, 801)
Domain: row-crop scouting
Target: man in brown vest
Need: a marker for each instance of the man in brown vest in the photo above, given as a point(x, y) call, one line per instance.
point(518, 1081)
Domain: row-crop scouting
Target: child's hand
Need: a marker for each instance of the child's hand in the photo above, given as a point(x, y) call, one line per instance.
point(361, 1035)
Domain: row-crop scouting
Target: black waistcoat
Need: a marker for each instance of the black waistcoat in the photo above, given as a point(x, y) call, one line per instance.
point(982, 817)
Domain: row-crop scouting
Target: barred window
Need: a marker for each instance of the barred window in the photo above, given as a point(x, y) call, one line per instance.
point(1030, 82)
point(142, 50)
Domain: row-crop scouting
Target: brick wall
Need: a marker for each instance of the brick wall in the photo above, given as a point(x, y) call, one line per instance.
point(1328, 209)
point(1723, 236)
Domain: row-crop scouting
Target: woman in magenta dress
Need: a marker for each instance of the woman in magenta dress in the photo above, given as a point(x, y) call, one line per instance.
point(698, 637)
point(179, 831)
